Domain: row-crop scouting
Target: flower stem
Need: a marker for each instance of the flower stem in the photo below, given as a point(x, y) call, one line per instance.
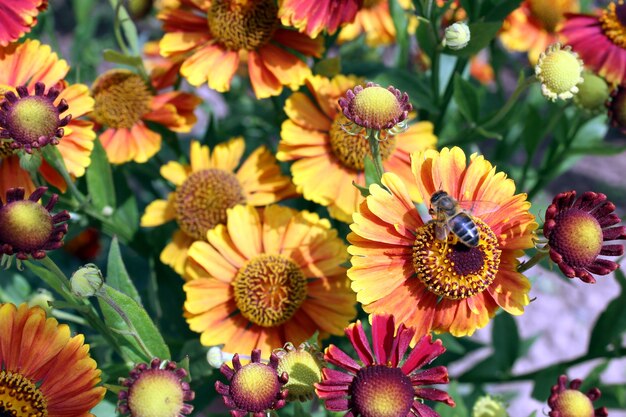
point(537, 257)
point(375, 148)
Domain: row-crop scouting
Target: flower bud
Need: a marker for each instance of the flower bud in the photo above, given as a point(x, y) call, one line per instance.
point(457, 36)
point(87, 281)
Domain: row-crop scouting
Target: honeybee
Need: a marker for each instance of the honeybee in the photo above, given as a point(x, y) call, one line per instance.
point(448, 216)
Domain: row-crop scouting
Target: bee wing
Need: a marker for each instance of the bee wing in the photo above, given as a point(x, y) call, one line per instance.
point(479, 207)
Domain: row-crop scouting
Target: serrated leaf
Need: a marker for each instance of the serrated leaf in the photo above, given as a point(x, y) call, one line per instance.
point(116, 57)
point(611, 323)
point(123, 332)
point(117, 276)
point(466, 98)
point(100, 179)
point(480, 35)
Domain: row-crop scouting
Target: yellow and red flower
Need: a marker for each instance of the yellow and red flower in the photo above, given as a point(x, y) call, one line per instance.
point(214, 36)
point(571, 401)
point(18, 17)
point(30, 63)
point(207, 187)
point(400, 266)
point(312, 16)
point(124, 103)
point(533, 26)
point(327, 159)
point(600, 40)
point(266, 278)
point(43, 370)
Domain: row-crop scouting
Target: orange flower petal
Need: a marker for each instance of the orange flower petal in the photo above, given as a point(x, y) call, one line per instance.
point(286, 67)
point(264, 82)
point(301, 111)
point(212, 261)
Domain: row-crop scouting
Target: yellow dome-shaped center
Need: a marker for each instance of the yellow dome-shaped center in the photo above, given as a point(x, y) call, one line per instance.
point(19, 397)
point(157, 393)
point(573, 403)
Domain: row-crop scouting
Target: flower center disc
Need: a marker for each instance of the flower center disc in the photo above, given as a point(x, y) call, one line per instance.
point(5, 149)
point(550, 13)
point(351, 149)
point(31, 118)
point(380, 391)
point(577, 236)
point(243, 24)
point(451, 269)
point(254, 387)
point(377, 105)
point(122, 98)
point(201, 201)
point(560, 70)
point(25, 225)
point(19, 397)
point(157, 393)
point(573, 403)
point(269, 289)
point(613, 22)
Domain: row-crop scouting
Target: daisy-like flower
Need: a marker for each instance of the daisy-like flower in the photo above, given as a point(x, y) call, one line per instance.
point(17, 18)
point(155, 390)
point(571, 402)
point(254, 388)
point(384, 384)
point(375, 21)
point(327, 159)
point(600, 40)
point(29, 64)
point(215, 35)
point(400, 265)
point(28, 228)
point(533, 26)
point(576, 230)
point(207, 187)
point(264, 279)
point(312, 16)
point(43, 370)
point(124, 102)
point(560, 71)
point(304, 366)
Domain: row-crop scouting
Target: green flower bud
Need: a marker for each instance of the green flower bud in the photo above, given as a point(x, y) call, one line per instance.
point(457, 36)
point(487, 406)
point(87, 281)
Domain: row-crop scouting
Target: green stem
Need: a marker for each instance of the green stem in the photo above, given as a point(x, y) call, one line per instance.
point(459, 67)
point(501, 114)
point(117, 29)
point(537, 257)
point(375, 148)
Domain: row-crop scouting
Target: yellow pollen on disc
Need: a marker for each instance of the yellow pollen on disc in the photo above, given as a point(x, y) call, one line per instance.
point(33, 117)
point(560, 71)
point(451, 269)
point(157, 393)
point(19, 397)
point(122, 98)
point(573, 403)
point(269, 289)
point(612, 26)
point(254, 387)
point(243, 24)
point(5, 149)
point(25, 224)
point(377, 105)
point(201, 201)
point(550, 12)
point(351, 149)
point(578, 237)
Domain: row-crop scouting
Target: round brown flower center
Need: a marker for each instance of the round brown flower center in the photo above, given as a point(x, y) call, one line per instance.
point(19, 397)
point(269, 289)
point(25, 225)
point(452, 270)
point(380, 391)
point(550, 13)
point(122, 98)
point(613, 22)
point(254, 387)
point(201, 201)
point(243, 24)
point(573, 403)
point(352, 149)
point(577, 236)
point(156, 393)
point(31, 118)
point(377, 105)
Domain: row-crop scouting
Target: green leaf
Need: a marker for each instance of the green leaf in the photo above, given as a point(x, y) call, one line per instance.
point(497, 10)
point(401, 23)
point(100, 179)
point(363, 190)
point(611, 323)
point(506, 341)
point(466, 98)
point(546, 379)
point(116, 57)
point(127, 25)
point(14, 288)
point(480, 35)
point(123, 332)
point(117, 276)
point(371, 177)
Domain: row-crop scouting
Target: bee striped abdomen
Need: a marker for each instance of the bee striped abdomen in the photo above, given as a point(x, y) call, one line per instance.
point(465, 229)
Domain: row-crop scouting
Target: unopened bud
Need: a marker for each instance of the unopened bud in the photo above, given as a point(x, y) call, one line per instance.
point(216, 357)
point(457, 36)
point(87, 281)
point(487, 406)
point(41, 299)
